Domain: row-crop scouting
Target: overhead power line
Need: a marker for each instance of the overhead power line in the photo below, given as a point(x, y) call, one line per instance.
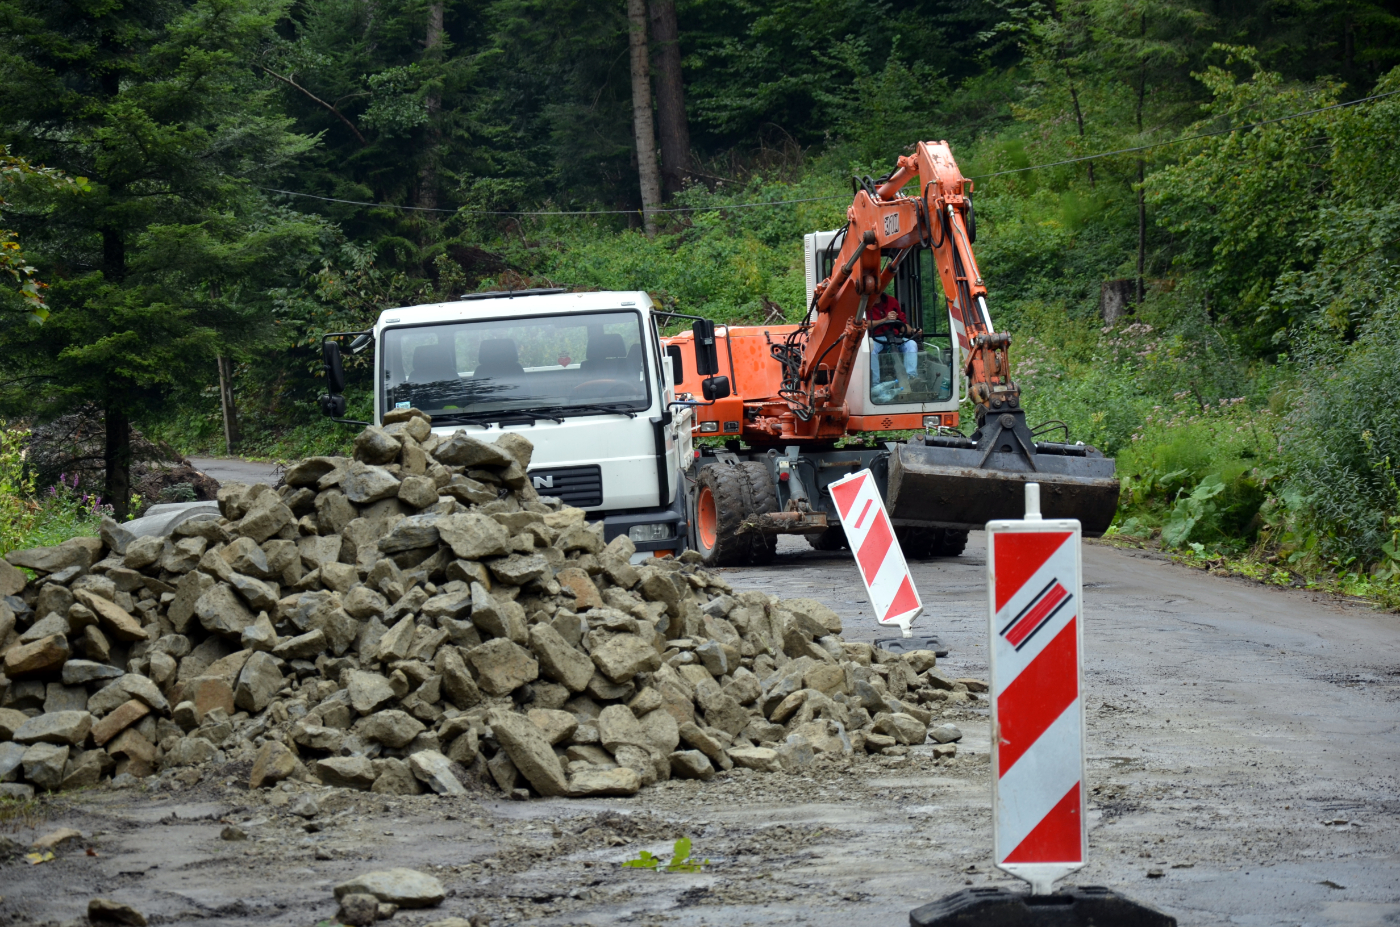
point(1189, 138)
point(817, 199)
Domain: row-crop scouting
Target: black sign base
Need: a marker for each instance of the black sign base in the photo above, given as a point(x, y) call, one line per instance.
point(1075, 906)
point(906, 644)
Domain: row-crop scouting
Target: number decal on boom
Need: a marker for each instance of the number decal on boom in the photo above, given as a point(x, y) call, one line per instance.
point(891, 224)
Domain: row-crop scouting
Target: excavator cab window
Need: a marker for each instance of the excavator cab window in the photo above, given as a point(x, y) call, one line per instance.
point(917, 369)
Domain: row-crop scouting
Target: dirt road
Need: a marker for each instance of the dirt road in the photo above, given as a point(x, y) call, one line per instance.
point(1243, 761)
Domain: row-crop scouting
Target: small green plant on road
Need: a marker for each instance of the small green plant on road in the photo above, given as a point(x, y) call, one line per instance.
point(680, 860)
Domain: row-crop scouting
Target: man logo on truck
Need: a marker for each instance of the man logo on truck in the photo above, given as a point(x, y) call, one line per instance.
point(543, 482)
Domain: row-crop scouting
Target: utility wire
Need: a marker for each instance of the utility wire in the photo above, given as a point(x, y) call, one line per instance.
point(1189, 138)
point(816, 199)
point(574, 212)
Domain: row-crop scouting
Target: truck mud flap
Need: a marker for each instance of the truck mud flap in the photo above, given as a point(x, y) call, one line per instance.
point(944, 487)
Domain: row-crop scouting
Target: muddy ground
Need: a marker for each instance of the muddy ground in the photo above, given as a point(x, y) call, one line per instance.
point(1243, 765)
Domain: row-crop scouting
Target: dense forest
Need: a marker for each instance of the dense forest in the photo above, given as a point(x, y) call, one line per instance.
point(1190, 213)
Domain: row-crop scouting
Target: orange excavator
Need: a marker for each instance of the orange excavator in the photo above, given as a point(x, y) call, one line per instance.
point(897, 335)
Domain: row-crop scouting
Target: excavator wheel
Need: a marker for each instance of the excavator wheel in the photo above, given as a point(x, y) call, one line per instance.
point(954, 542)
point(719, 511)
point(763, 498)
point(919, 543)
point(833, 538)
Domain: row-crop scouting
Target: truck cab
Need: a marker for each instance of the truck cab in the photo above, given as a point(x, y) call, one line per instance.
point(581, 375)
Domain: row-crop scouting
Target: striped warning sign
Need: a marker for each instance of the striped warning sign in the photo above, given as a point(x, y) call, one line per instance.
point(1037, 713)
point(878, 555)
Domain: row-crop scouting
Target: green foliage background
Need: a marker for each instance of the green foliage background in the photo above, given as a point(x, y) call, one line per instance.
point(1243, 396)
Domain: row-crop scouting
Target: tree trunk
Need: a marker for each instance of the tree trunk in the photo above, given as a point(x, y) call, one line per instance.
point(116, 460)
point(673, 128)
point(641, 114)
point(226, 402)
point(427, 175)
point(1079, 118)
point(1141, 175)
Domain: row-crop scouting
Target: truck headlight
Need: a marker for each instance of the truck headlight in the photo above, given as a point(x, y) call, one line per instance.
point(709, 427)
point(658, 532)
point(933, 421)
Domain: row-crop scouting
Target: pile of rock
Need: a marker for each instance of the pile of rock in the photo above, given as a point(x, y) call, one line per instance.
point(411, 617)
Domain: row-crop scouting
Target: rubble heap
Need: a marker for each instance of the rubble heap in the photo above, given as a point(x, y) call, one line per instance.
point(415, 617)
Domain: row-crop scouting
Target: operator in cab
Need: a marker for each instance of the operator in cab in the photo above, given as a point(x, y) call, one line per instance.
point(890, 331)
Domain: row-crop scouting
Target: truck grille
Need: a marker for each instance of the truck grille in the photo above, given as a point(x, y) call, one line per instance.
point(577, 486)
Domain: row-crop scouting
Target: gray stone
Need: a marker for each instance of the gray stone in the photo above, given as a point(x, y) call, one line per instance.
point(519, 569)
point(557, 726)
point(418, 491)
point(530, 751)
point(449, 605)
point(596, 781)
point(363, 484)
point(661, 730)
point(760, 759)
point(59, 697)
point(795, 752)
point(395, 777)
point(618, 726)
point(187, 593)
point(376, 446)
point(691, 764)
point(363, 602)
point(273, 763)
point(346, 772)
point(41, 657)
point(558, 660)
point(435, 771)
point(43, 765)
point(457, 682)
point(403, 887)
point(625, 655)
point(11, 758)
point(308, 471)
point(143, 552)
point(393, 728)
point(12, 581)
point(368, 691)
point(411, 533)
point(136, 686)
point(473, 536)
point(695, 736)
point(502, 666)
point(305, 806)
point(255, 592)
point(260, 635)
point(257, 683)
point(946, 734)
point(301, 647)
point(714, 657)
point(181, 556)
point(461, 449)
point(267, 516)
point(222, 612)
point(396, 641)
point(358, 910)
point(107, 911)
point(58, 727)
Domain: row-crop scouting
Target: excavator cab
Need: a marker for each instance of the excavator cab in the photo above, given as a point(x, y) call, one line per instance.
point(898, 373)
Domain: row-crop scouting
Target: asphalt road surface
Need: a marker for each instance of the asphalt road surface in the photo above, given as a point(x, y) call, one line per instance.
point(1243, 757)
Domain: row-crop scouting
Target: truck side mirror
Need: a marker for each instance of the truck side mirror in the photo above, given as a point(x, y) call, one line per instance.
point(673, 351)
point(706, 357)
point(335, 370)
point(713, 388)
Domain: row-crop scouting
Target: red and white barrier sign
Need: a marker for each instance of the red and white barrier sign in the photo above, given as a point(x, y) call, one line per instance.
point(878, 555)
point(1038, 801)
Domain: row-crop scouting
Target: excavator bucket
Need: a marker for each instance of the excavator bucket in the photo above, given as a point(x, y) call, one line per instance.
point(952, 486)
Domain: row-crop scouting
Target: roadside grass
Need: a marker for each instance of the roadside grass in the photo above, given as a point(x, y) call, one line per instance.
point(27, 812)
point(29, 518)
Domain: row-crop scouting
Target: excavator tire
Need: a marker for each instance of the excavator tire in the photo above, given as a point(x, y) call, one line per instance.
point(919, 543)
point(954, 541)
point(763, 498)
point(833, 538)
point(719, 511)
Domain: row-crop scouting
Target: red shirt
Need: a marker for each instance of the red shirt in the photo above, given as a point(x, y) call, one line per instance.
point(882, 306)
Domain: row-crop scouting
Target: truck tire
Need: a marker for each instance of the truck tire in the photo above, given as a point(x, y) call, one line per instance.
point(833, 538)
point(719, 511)
point(953, 543)
point(919, 543)
point(763, 499)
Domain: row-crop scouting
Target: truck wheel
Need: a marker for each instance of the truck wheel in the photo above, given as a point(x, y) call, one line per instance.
point(833, 538)
point(719, 511)
point(953, 543)
point(763, 498)
point(919, 543)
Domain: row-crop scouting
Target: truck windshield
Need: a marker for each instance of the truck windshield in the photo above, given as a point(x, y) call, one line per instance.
point(576, 364)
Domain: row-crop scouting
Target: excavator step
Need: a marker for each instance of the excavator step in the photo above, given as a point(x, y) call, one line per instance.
point(953, 487)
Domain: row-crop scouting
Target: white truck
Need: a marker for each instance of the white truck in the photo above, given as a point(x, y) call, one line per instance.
point(584, 376)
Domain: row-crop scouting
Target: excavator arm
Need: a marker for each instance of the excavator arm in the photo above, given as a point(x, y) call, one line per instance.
point(944, 481)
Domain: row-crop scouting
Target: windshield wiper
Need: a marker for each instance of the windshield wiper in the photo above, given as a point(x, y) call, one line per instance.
point(462, 418)
point(614, 407)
